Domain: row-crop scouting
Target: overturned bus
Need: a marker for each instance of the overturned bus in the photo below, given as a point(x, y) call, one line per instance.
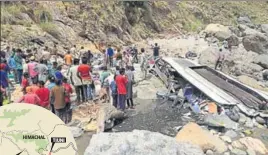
point(217, 86)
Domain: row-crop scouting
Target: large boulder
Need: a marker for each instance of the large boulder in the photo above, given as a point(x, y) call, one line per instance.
point(219, 31)
point(245, 20)
point(233, 40)
point(235, 30)
point(106, 114)
point(246, 68)
point(262, 60)
point(250, 143)
point(209, 56)
point(193, 133)
point(249, 31)
point(139, 142)
point(245, 30)
point(256, 42)
point(220, 121)
point(264, 28)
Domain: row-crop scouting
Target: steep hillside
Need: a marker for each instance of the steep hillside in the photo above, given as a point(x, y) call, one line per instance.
point(119, 23)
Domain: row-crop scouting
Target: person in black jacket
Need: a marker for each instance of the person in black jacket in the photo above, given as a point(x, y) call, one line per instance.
point(156, 51)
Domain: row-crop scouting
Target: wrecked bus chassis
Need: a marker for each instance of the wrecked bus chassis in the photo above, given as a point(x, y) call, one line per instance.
point(224, 90)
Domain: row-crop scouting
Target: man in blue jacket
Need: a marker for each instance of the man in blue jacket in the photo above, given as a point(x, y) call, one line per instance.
point(110, 54)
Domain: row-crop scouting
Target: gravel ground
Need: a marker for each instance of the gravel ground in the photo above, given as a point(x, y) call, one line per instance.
point(153, 116)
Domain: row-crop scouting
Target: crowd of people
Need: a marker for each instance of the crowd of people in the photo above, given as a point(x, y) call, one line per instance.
point(47, 83)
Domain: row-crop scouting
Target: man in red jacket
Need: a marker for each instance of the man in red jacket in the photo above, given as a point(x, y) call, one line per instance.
point(43, 94)
point(121, 81)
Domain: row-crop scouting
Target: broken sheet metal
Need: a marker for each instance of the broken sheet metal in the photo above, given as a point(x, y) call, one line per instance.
point(243, 94)
point(200, 83)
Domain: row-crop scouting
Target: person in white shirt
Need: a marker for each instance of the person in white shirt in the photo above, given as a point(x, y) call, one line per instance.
point(143, 63)
point(45, 54)
point(76, 81)
point(221, 58)
point(73, 49)
point(25, 66)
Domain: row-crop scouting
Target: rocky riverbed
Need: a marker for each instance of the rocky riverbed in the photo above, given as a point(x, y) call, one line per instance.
point(158, 22)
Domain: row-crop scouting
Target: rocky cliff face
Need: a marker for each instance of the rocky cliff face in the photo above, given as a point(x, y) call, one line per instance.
point(66, 23)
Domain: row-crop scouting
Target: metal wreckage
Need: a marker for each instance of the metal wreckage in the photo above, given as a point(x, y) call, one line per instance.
point(218, 97)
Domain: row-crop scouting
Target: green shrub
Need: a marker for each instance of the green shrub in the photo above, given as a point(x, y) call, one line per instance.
point(13, 9)
point(193, 26)
point(42, 15)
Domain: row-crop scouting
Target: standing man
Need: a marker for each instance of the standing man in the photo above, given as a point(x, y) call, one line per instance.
point(42, 70)
point(135, 54)
point(143, 63)
point(84, 74)
point(12, 66)
point(221, 58)
point(43, 94)
point(45, 55)
point(3, 79)
point(68, 58)
point(73, 51)
point(121, 82)
point(89, 56)
point(110, 54)
point(81, 52)
point(33, 70)
point(8, 52)
point(129, 97)
point(54, 53)
point(18, 60)
point(156, 51)
point(76, 81)
point(57, 99)
point(53, 69)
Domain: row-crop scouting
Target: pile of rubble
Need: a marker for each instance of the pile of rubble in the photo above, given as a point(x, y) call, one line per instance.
point(85, 116)
point(16, 94)
point(94, 117)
